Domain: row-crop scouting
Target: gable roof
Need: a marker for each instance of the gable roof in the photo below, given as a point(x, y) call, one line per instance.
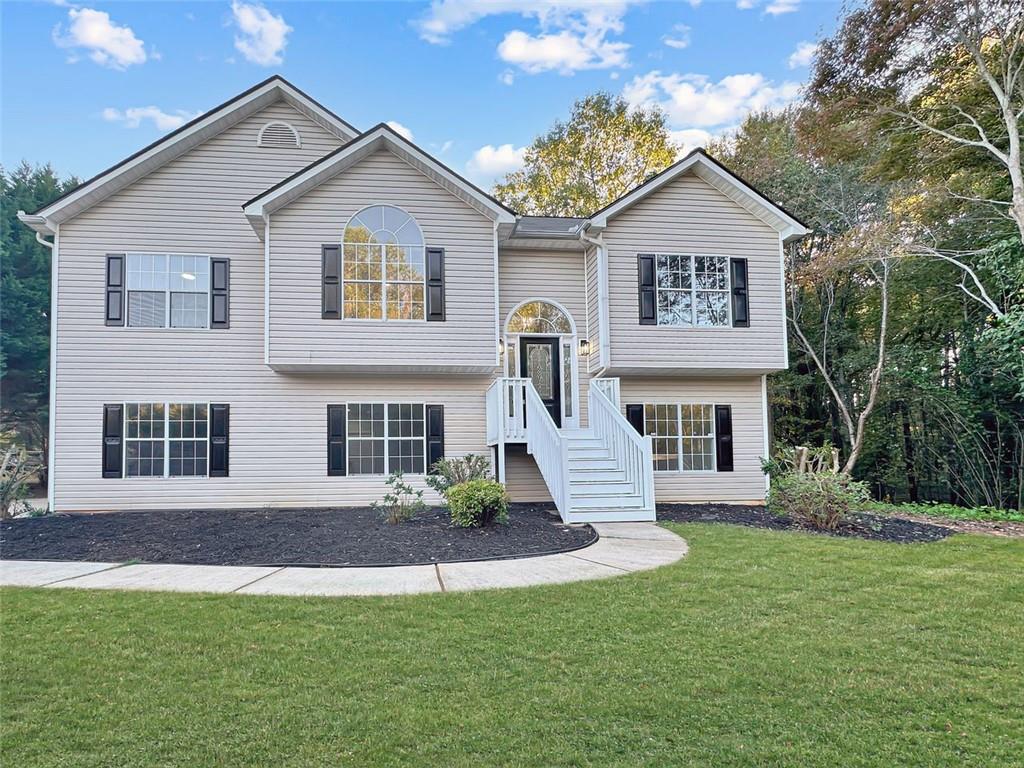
point(721, 178)
point(180, 141)
point(379, 137)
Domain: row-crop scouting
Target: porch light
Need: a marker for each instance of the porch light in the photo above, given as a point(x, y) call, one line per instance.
point(501, 347)
point(584, 347)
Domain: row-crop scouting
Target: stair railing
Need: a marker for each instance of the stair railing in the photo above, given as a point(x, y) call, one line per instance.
point(549, 448)
point(632, 451)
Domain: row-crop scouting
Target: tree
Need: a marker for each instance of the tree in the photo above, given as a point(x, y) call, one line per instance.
point(25, 311)
point(604, 150)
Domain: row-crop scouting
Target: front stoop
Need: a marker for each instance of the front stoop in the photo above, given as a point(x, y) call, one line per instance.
point(621, 549)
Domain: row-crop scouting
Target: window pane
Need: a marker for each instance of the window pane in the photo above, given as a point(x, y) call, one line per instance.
point(187, 458)
point(712, 308)
point(567, 378)
point(405, 301)
point(674, 307)
point(146, 272)
point(404, 263)
point(406, 422)
point(144, 458)
point(189, 274)
point(661, 422)
point(362, 300)
point(712, 272)
point(146, 309)
point(189, 310)
point(539, 317)
point(361, 262)
point(698, 428)
point(673, 271)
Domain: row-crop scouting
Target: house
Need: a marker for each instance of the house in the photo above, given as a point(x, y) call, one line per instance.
point(270, 307)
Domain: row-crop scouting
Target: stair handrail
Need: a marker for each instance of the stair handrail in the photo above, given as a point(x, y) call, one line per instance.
point(632, 451)
point(549, 448)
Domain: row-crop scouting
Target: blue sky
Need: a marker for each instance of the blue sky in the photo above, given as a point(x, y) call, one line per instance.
point(86, 84)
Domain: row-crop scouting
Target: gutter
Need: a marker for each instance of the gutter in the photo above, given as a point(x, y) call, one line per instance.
point(603, 324)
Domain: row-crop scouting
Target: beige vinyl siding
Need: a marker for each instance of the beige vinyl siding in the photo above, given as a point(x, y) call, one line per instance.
point(593, 310)
point(523, 479)
point(746, 483)
point(298, 334)
point(278, 422)
point(554, 275)
point(689, 216)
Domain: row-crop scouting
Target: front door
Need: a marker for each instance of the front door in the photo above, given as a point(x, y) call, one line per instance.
point(538, 361)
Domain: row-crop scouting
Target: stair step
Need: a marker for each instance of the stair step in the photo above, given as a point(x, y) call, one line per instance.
point(597, 451)
point(606, 490)
point(611, 514)
point(576, 465)
point(596, 475)
point(606, 502)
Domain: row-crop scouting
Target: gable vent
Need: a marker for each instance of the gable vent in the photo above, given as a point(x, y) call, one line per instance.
point(279, 136)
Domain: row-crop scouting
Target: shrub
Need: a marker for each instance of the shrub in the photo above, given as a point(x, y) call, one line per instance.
point(402, 502)
point(16, 472)
point(820, 500)
point(477, 503)
point(449, 472)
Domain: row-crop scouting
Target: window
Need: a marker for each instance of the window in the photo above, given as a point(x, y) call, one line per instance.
point(539, 317)
point(165, 439)
point(383, 269)
point(693, 290)
point(385, 438)
point(682, 436)
point(168, 291)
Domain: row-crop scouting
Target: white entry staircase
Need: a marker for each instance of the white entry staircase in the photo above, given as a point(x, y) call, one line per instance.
point(601, 473)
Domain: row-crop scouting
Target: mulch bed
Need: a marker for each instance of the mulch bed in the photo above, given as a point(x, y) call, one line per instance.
point(863, 525)
point(337, 537)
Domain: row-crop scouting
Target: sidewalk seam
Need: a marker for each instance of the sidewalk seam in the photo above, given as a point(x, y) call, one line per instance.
point(598, 562)
point(261, 578)
point(440, 581)
point(83, 575)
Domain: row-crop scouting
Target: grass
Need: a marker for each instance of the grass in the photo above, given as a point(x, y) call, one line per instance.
point(950, 511)
point(760, 648)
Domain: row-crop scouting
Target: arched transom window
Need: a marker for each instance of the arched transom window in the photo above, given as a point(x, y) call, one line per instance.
point(539, 317)
point(383, 266)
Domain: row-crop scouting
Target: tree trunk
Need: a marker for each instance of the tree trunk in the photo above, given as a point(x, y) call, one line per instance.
point(908, 455)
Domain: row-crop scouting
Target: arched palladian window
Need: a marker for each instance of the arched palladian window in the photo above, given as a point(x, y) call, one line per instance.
point(383, 266)
point(539, 317)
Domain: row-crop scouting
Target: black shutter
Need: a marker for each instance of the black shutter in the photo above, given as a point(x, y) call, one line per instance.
point(635, 416)
point(220, 284)
point(336, 463)
point(648, 297)
point(740, 301)
point(330, 256)
point(115, 294)
point(435, 435)
point(723, 437)
point(113, 421)
point(435, 284)
point(220, 419)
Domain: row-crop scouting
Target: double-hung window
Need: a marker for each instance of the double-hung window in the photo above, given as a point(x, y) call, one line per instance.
point(692, 290)
point(383, 266)
point(385, 438)
point(682, 435)
point(166, 439)
point(168, 290)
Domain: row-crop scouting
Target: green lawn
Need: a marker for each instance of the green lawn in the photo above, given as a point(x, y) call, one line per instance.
point(758, 649)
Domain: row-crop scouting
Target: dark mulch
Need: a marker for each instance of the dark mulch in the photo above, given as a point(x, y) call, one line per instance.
point(862, 526)
point(285, 537)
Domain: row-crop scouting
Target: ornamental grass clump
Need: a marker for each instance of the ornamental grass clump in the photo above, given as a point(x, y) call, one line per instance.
point(446, 473)
point(477, 503)
point(807, 487)
point(401, 503)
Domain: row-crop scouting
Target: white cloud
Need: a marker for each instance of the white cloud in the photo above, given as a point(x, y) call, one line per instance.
point(573, 34)
point(447, 145)
point(678, 38)
point(803, 55)
point(507, 77)
point(400, 129)
point(778, 7)
point(745, 5)
point(489, 161)
point(108, 44)
point(689, 139)
point(263, 35)
point(132, 117)
point(691, 100)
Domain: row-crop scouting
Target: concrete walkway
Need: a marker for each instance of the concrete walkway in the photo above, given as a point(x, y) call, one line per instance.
point(622, 548)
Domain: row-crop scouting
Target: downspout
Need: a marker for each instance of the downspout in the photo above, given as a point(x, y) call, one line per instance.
point(52, 416)
point(604, 337)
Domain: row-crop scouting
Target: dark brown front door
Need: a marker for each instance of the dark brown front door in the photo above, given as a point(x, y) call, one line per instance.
point(538, 361)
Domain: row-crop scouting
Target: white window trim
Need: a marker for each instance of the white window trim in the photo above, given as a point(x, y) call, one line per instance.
point(387, 456)
point(693, 290)
point(166, 440)
point(167, 294)
point(679, 437)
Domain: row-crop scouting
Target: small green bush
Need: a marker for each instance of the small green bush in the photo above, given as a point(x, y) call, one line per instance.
point(477, 503)
point(449, 472)
point(951, 511)
point(401, 503)
point(820, 500)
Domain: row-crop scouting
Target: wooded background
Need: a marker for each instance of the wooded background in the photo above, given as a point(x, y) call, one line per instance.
point(906, 304)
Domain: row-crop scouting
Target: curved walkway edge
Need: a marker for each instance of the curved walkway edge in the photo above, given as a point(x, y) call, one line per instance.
point(622, 548)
